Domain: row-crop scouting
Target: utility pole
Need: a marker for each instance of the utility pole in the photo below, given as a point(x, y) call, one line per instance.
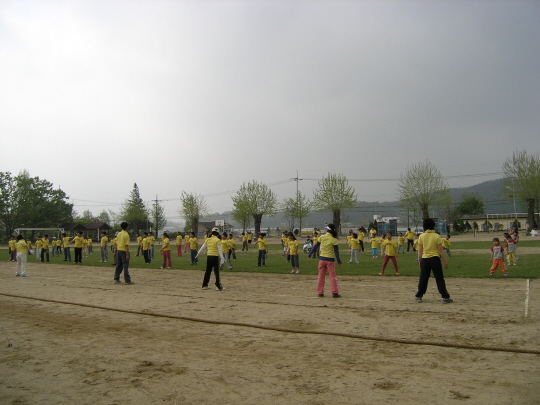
point(297, 202)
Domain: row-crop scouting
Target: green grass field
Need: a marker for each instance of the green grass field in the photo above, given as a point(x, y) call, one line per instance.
point(466, 261)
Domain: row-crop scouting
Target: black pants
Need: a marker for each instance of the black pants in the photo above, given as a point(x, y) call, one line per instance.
point(410, 243)
point(122, 265)
point(212, 263)
point(361, 243)
point(78, 255)
point(427, 265)
point(194, 260)
point(146, 255)
point(44, 252)
point(261, 259)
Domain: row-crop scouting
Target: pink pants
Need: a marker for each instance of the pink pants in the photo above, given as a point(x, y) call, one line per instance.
point(385, 262)
point(179, 250)
point(325, 266)
point(167, 258)
point(186, 247)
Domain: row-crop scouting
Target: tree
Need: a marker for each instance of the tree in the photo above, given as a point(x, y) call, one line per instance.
point(334, 194)
point(297, 208)
point(242, 214)
point(104, 217)
point(194, 207)
point(29, 202)
point(423, 185)
point(522, 173)
point(134, 211)
point(157, 213)
point(254, 199)
point(86, 218)
point(470, 205)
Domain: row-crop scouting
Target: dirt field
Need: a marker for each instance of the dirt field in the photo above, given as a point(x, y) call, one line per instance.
point(67, 354)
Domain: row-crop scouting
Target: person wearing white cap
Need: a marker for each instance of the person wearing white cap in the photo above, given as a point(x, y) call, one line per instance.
point(213, 246)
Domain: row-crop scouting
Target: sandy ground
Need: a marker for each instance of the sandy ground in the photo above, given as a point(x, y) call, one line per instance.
point(66, 354)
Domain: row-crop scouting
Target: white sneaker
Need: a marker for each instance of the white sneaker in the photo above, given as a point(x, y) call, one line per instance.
point(220, 289)
point(206, 288)
point(292, 271)
point(297, 271)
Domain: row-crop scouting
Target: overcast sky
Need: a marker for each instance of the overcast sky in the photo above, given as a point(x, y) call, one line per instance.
point(202, 96)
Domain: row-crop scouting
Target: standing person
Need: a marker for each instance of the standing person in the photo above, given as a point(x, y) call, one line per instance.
point(390, 248)
point(12, 249)
point(21, 252)
point(361, 236)
point(78, 241)
point(232, 246)
point(244, 242)
point(193, 247)
point(166, 251)
point(53, 246)
point(510, 249)
point(152, 241)
point(89, 245)
point(212, 245)
point(146, 248)
point(226, 249)
point(103, 247)
point(263, 250)
point(249, 238)
point(329, 253)
point(186, 242)
point(374, 246)
point(316, 236)
point(178, 244)
point(45, 249)
point(430, 253)
point(515, 235)
point(410, 239)
point(113, 248)
point(292, 253)
point(85, 246)
point(67, 250)
point(446, 245)
point(401, 243)
point(354, 243)
point(497, 257)
point(139, 245)
point(39, 247)
point(122, 255)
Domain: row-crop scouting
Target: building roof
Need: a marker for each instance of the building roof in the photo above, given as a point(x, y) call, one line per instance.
point(73, 226)
point(98, 226)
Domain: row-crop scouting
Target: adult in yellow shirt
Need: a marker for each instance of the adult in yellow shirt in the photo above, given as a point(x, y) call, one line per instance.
point(146, 248)
point(193, 247)
point(67, 251)
point(78, 241)
point(329, 253)
point(179, 245)
point(166, 251)
point(21, 249)
point(430, 252)
point(103, 247)
point(213, 246)
point(410, 239)
point(122, 255)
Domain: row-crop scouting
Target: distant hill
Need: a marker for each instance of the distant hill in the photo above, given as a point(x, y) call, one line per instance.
point(490, 192)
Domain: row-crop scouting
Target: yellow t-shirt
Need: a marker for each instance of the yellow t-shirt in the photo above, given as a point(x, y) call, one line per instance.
point(39, 244)
point(232, 245)
point(12, 244)
point(89, 241)
point(401, 240)
point(78, 241)
point(293, 247)
point(146, 243)
point(193, 243)
point(45, 242)
point(374, 243)
point(212, 244)
point(122, 241)
point(225, 247)
point(104, 241)
point(446, 243)
point(139, 240)
point(361, 236)
point(409, 234)
point(249, 236)
point(429, 241)
point(66, 241)
point(390, 247)
point(355, 242)
point(328, 242)
point(186, 238)
point(152, 240)
point(262, 243)
point(21, 246)
point(179, 239)
point(244, 238)
point(166, 244)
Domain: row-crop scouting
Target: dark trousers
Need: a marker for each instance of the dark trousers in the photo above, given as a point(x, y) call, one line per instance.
point(67, 254)
point(194, 259)
point(245, 246)
point(361, 245)
point(146, 255)
point(261, 259)
point(427, 265)
point(44, 252)
point(410, 243)
point(78, 255)
point(122, 264)
point(212, 263)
